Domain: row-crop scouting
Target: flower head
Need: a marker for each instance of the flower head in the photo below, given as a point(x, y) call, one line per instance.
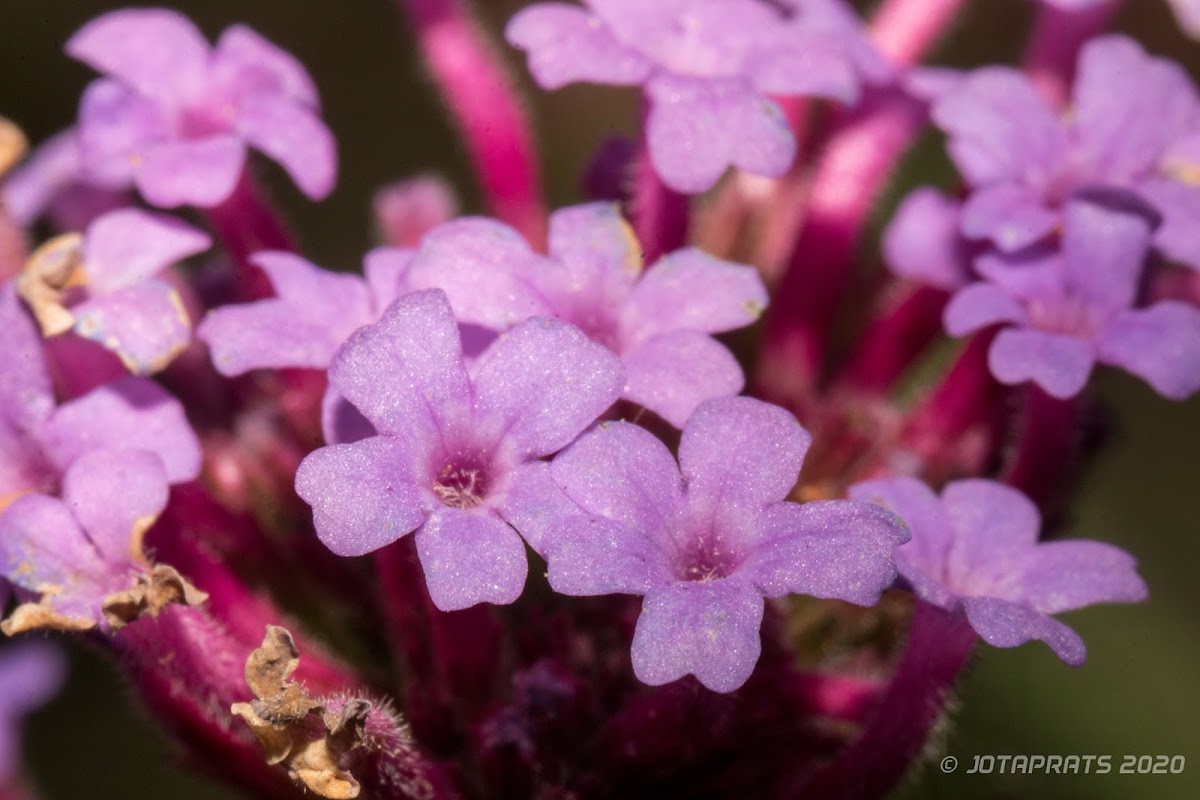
point(707, 68)
point(1134, 124)
point(1067, 310)
point(103, 286)
point(704, 539)
point(175, 116)
point(449, 444)
point(658, 320)
point(975, 549)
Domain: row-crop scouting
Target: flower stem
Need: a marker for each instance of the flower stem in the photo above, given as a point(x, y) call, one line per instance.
point(1054, 45)
point(894, 339)
point(659, 214)
point(482, 99)
point(1047, 444)
point(245, 224)
point(939, 644)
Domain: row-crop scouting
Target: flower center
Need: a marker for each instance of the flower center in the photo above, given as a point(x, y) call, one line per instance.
point(462, 485)
point(707, 560)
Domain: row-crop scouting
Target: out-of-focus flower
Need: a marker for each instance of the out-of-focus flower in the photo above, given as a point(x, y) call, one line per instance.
point(1134, 124)
point(1068, 309)
point(975, 549)
point(658, 320)
point(449, 445)
point(78, 561)
point(707, 68)
point(31, 673)
point(103, 286)
point(38, 441)
point(407, 210)
point(705, 539)
point(174, 116)
point(51, 183)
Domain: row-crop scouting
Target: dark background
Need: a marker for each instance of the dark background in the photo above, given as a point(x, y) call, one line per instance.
point(1139, 692)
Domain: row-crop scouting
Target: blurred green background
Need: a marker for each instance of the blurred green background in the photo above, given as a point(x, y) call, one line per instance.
point(1138, 694)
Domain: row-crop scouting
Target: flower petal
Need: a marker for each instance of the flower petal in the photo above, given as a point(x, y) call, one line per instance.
point(486, 269)
point(246, 63)
point(623, 473)
point(1066, 575)
point(145, 324)
point(1160, 344)
point(157, 51)
point(831, 549)
point(671, 374)
point(471, 557)
point(921, 510)
point(598, 250)
point(26, 396)
point(406, 371)
point(1011, 216)
point(116, 128)
point(116, 495)
point(542, 383)
point(198, 172)
point(1179, 203)
point(537, 507)
point(1004, 624)
point(1057, 363)
point(127, 413)
point(364, 495)
point(129, 245)
point(1104, 252)
point(691, 290)
point(738, 454)
point(386, 273)
point(978, 306)
point(593, 555)
point(993, 525)
point(565, 44)
point(697, 128)
point(710, 630)
point(923, 243)
point(294, 137)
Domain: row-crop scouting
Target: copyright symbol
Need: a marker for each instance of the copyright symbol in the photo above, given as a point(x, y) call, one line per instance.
point(949, 764)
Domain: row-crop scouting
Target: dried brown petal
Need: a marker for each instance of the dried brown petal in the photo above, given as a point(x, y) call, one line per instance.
point(150, 594)
point(35, 616)
point(51, 270)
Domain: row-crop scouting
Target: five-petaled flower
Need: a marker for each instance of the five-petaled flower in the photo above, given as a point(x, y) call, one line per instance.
point(705, 540)
point(975, 549)
point(450, 444)
point(174, 116)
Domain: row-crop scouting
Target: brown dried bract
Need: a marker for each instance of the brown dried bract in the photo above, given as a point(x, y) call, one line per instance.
point(295, 729)
point(40, 616)
point(51, 270)
point(151, 593)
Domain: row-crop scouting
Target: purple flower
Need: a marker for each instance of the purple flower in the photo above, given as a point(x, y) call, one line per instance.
point(922, 242)
point(449, 444)
point(51, 183)
point(657, 320)
point(1134, 124)
point(68, 556)
point(1067, 310)
point(707, 68)
point(705, 539)
point(174, 116)
point(975, 549)
point(103, 286)
point(31, 673)
point(39, 442)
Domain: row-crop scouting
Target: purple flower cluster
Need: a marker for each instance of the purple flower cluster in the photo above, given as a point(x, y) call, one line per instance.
point(708, 69)
point(488, 396)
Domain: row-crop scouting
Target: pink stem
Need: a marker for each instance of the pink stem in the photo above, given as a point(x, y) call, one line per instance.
point(1053, 48)
point(484, 103)
point(246, 224)
point(853, 168)
point(893, 340)
point(905, 30)
point(659, 213)
point(939, 644)
point(1047, 443)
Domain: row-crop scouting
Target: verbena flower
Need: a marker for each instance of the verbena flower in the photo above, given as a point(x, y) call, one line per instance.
point(705, 539)
point(31, 674)
point(1133, 124)
point(707, 68)
point(39, 441)
point(78, 560)
point(174, 116)
point(51, 183)
point(975, 549)
point(1066, 310)
point(103, 286)
point(449, 444)
point(658, 320)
